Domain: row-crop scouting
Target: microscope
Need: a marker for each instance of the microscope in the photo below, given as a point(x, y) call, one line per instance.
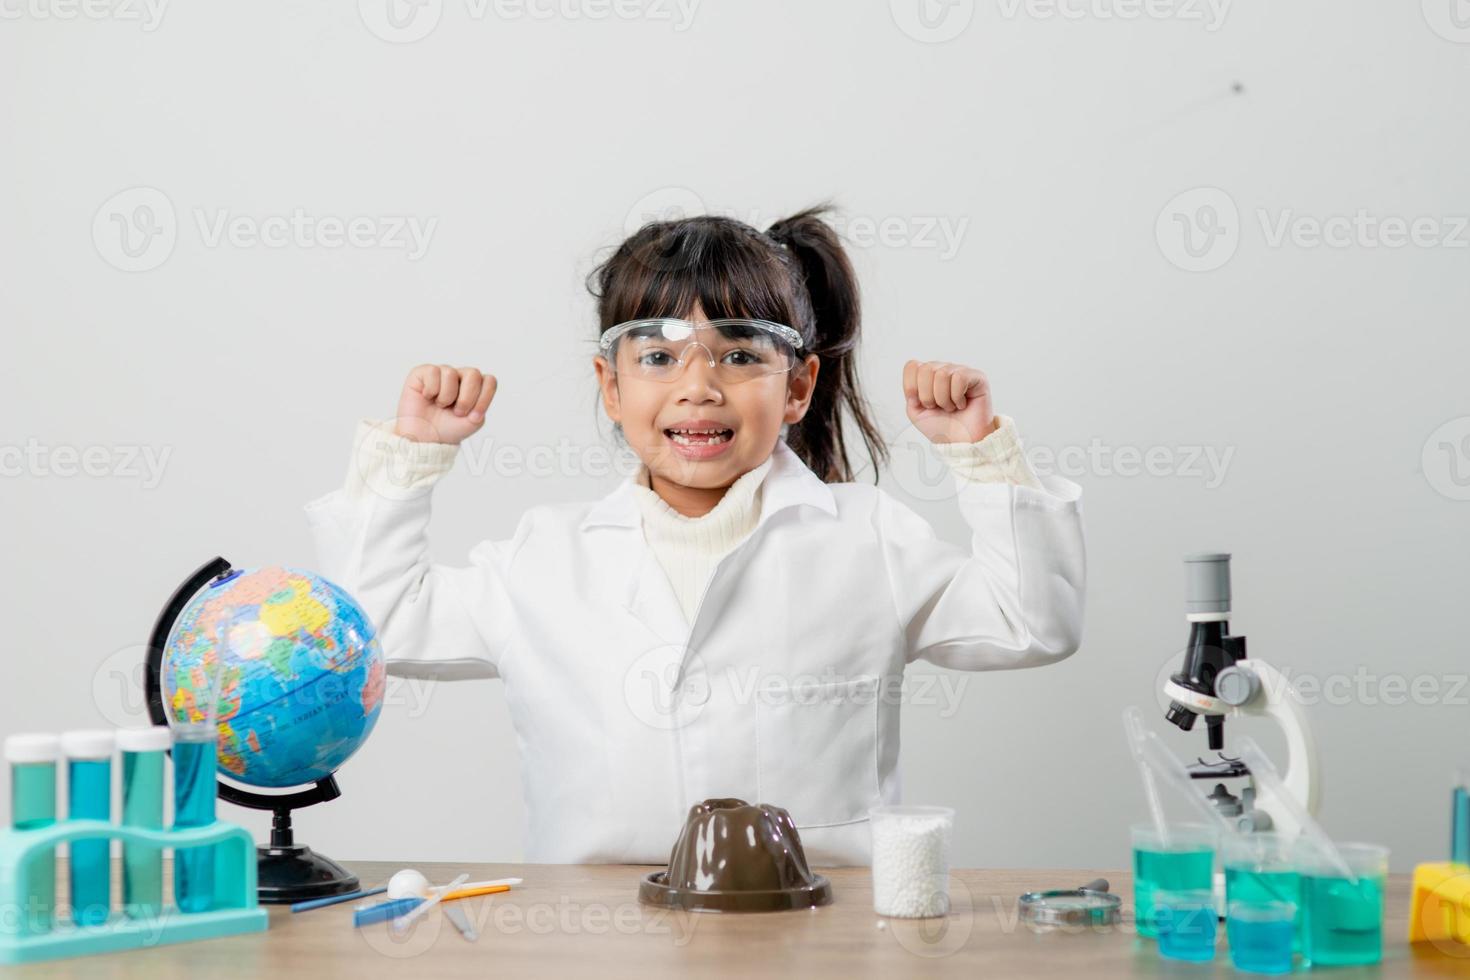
point(1217, 680)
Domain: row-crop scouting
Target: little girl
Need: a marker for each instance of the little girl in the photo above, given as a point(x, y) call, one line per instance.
point(735, 619)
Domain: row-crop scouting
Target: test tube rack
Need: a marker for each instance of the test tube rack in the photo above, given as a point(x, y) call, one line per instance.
point(234, 909)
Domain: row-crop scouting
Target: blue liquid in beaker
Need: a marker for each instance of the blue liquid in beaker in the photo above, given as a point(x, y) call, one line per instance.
point(1343, 922)
point(1168, 871)
point(1250, 885)
point(1186, 929)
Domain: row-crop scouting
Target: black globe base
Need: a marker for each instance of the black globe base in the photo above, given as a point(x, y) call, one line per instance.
point(289, 872)
point(296, 873)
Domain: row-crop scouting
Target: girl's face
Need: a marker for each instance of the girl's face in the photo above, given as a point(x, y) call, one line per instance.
point(698, 432)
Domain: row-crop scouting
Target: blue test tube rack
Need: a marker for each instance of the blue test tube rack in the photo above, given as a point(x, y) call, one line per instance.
point(235, 908)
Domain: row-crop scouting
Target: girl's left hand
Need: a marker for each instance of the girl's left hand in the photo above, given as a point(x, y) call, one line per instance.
point(948, 402)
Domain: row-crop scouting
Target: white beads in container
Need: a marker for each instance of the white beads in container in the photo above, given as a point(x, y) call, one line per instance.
point(911, 860)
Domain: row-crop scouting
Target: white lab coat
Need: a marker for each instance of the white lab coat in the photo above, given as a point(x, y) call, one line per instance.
point(783, 690)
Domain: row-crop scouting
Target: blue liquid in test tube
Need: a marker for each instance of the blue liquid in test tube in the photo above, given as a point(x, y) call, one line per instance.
point(142, 806)
point(194, 795)
point(1460, 824)
point(32, 761)
point(89, 794)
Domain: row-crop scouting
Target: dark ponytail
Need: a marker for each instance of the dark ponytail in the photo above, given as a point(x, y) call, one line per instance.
point(795, 273)
point(831, 286)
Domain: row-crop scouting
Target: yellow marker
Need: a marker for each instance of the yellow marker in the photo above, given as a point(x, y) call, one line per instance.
point(472, 892)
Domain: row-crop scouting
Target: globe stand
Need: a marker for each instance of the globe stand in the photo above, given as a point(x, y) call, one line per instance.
point(286, 871)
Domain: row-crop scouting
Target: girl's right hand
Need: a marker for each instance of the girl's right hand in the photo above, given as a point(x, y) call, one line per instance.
point(443, 404)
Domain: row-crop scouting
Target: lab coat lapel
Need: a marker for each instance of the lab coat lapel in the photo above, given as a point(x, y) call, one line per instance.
point(642, 587)
point(645, 591)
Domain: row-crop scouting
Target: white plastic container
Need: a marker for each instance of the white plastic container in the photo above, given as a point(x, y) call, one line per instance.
point(911, 860)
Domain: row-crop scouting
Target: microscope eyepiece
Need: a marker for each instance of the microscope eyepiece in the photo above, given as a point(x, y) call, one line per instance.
point(1207, 583)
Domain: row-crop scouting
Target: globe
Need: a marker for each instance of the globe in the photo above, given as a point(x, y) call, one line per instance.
point(300, 676)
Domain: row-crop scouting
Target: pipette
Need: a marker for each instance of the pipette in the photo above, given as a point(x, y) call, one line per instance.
point(1162, 760)
point(1267, 778)
point(1133, 726)
point(401, 925)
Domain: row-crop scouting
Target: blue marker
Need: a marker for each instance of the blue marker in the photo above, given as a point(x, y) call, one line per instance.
point(321, 903)
point(384, 911)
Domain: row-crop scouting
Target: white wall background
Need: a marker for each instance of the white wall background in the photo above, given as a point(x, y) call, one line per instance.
point(1053, 146)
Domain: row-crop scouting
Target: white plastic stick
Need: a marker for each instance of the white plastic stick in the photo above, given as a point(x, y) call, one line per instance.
point(1262, 769)
point(402, 923)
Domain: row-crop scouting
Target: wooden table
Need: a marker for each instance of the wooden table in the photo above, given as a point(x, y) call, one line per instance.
point(585, 920)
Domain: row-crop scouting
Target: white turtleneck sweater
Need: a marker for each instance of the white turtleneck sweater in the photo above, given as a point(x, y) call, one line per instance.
point(688, 548)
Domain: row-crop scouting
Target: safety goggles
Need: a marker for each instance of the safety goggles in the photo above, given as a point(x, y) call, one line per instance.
point(736, 349)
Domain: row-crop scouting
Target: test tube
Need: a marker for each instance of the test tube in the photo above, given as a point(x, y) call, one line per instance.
point(142, 806)
point(196, 747)
point(1460, 818)
point(194, 793)
point(32, 761)
point(89, 797)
